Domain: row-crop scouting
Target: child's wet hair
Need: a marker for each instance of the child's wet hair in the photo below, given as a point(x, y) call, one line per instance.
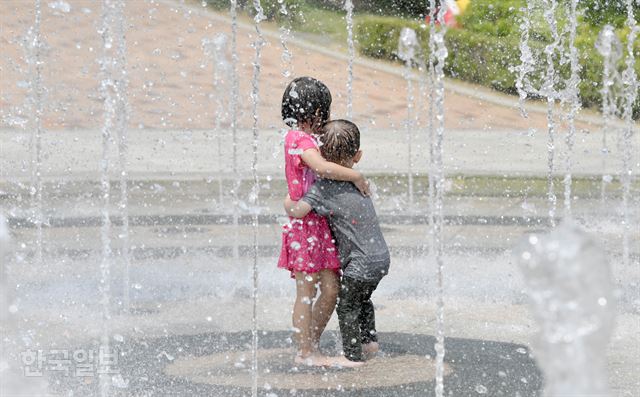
point(306, 99)
point(340, 141)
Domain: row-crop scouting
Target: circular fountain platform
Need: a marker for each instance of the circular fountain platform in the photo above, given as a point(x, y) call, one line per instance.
point(277, 371)
point(218, 364)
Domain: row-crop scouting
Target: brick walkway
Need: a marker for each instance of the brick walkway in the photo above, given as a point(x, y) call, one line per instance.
point(170, 84)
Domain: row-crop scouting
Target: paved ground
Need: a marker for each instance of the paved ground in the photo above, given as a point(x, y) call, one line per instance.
point(186, 286)
point(189, 289)
point(216, 364)
point(188, 154)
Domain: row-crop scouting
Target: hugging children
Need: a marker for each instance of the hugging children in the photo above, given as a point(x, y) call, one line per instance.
point(336, 203)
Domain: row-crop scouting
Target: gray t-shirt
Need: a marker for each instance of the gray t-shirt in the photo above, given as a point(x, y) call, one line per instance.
point(363, 252)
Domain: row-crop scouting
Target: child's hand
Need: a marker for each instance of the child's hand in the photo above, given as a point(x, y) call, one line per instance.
point(363, 185)
point(288, 203)
point(296, 209)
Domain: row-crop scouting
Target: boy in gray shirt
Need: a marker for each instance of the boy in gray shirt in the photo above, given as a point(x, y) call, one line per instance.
point(363, 252)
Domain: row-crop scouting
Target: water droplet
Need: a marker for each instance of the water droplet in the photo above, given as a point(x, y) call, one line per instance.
point(60, 6)
point(119, 382)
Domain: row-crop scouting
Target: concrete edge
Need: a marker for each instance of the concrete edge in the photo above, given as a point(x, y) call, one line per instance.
point(214, 176)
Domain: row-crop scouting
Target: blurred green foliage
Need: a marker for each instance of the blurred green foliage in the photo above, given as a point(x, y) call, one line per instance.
point(482, 59)
point(378, 36)
point(493, 18)
point(596, 12)
point(398, 8)
point(485, 48)
point(612, 12)
point(472, 57)
point(271, 8)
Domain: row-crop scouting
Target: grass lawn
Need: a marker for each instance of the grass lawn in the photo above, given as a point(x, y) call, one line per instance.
point(323, 22)
point(318, 25)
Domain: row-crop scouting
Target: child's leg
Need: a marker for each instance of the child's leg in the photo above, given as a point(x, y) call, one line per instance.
point(349, 307)
point(367, 320)
point(367, 317)
point(302, 312)
point(325, 304)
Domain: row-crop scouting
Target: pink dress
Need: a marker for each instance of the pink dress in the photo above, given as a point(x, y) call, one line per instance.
point(307, 243)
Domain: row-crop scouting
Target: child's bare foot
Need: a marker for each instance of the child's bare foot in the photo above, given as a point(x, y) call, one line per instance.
point(343, 362)
point(369, 350)
point(313, 360)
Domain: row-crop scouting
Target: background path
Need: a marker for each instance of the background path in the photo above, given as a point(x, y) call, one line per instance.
point(171, 81)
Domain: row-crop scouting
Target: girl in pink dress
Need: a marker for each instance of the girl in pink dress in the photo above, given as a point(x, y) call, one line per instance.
point(308, 249)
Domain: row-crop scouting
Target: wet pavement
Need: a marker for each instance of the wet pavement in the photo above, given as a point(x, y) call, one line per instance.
point(190, 284)
point(189, 292)
point(219, 364)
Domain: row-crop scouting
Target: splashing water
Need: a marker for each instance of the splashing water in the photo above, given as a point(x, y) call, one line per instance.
point(548, 88)
point(408, 50)
point(255, 96)
point(12, 379)
point(570, 96)
point(551, 79)
point(5, 298)
point(235, 92)
point(570, 288)
point(421, 123)
point(423, 76)
point(61, 6)
point(216, 49)
point(348, 6)
point(549, 91)
point(408, 46)
point(33, 53)
point(431, 118)
point(527, 65)
point(631, 86)
point(438, 174)
point(110, 71)
point(4, 291)
point(285, 35)
point(122, 117)
point(610, 47)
